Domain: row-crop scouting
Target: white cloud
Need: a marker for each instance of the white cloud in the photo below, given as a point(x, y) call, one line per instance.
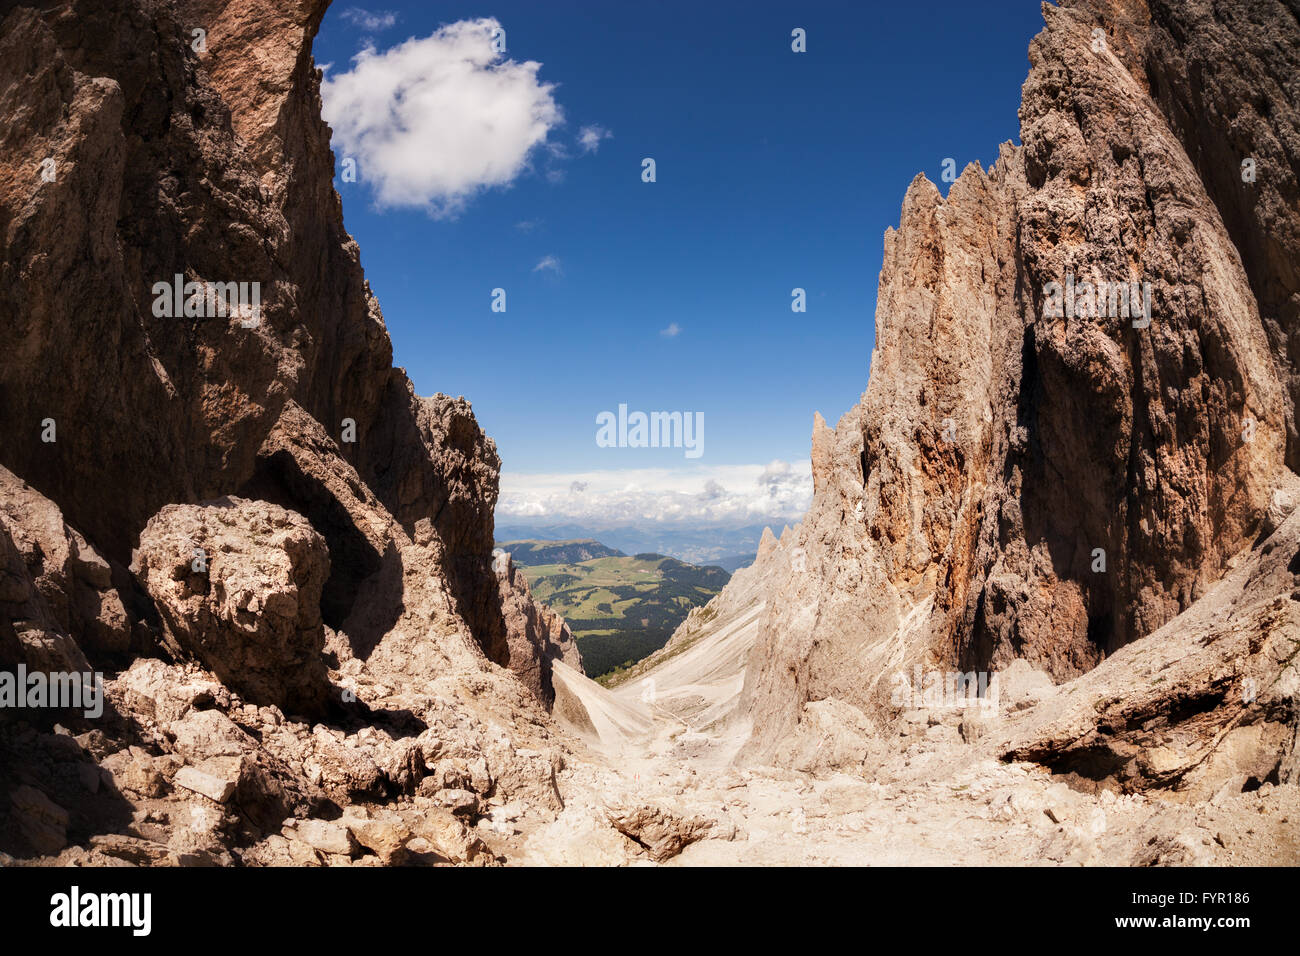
point(672, 331)
point(368, 20)
point(722, 495)
point(548, 264)
point(775, 472)
point(435, 120)
point(527, 225)
point(589, 137)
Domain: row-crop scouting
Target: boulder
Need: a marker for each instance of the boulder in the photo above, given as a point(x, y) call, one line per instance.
point(238, 585)
point(661, 832)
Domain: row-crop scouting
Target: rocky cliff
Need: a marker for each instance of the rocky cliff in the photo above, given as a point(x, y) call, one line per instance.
point(1045, 471)
point(233, 505)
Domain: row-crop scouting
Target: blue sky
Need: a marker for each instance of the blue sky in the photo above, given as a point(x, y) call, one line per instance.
point(775, 170)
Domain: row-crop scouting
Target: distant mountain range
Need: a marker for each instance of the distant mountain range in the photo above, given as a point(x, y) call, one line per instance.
point(712, 545)
point(733, 563)
point(528, 554)
point(621, 608)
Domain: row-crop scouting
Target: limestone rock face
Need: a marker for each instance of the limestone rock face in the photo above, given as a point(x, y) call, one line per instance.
point(56, 591)
point(252, 201)
point(535, 634)
point(147, 408)
point(238, 585)
point(1206, 704)
point(896, 487)
point(249, 200)
point(1225, 79)
point(76, 582)
point(1027, 476)
point(348, 638)
point(1186, 419)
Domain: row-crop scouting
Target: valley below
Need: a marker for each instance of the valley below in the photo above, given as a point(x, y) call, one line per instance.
point(620, 608)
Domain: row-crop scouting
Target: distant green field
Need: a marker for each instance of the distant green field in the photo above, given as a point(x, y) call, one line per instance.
point(622, 608)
